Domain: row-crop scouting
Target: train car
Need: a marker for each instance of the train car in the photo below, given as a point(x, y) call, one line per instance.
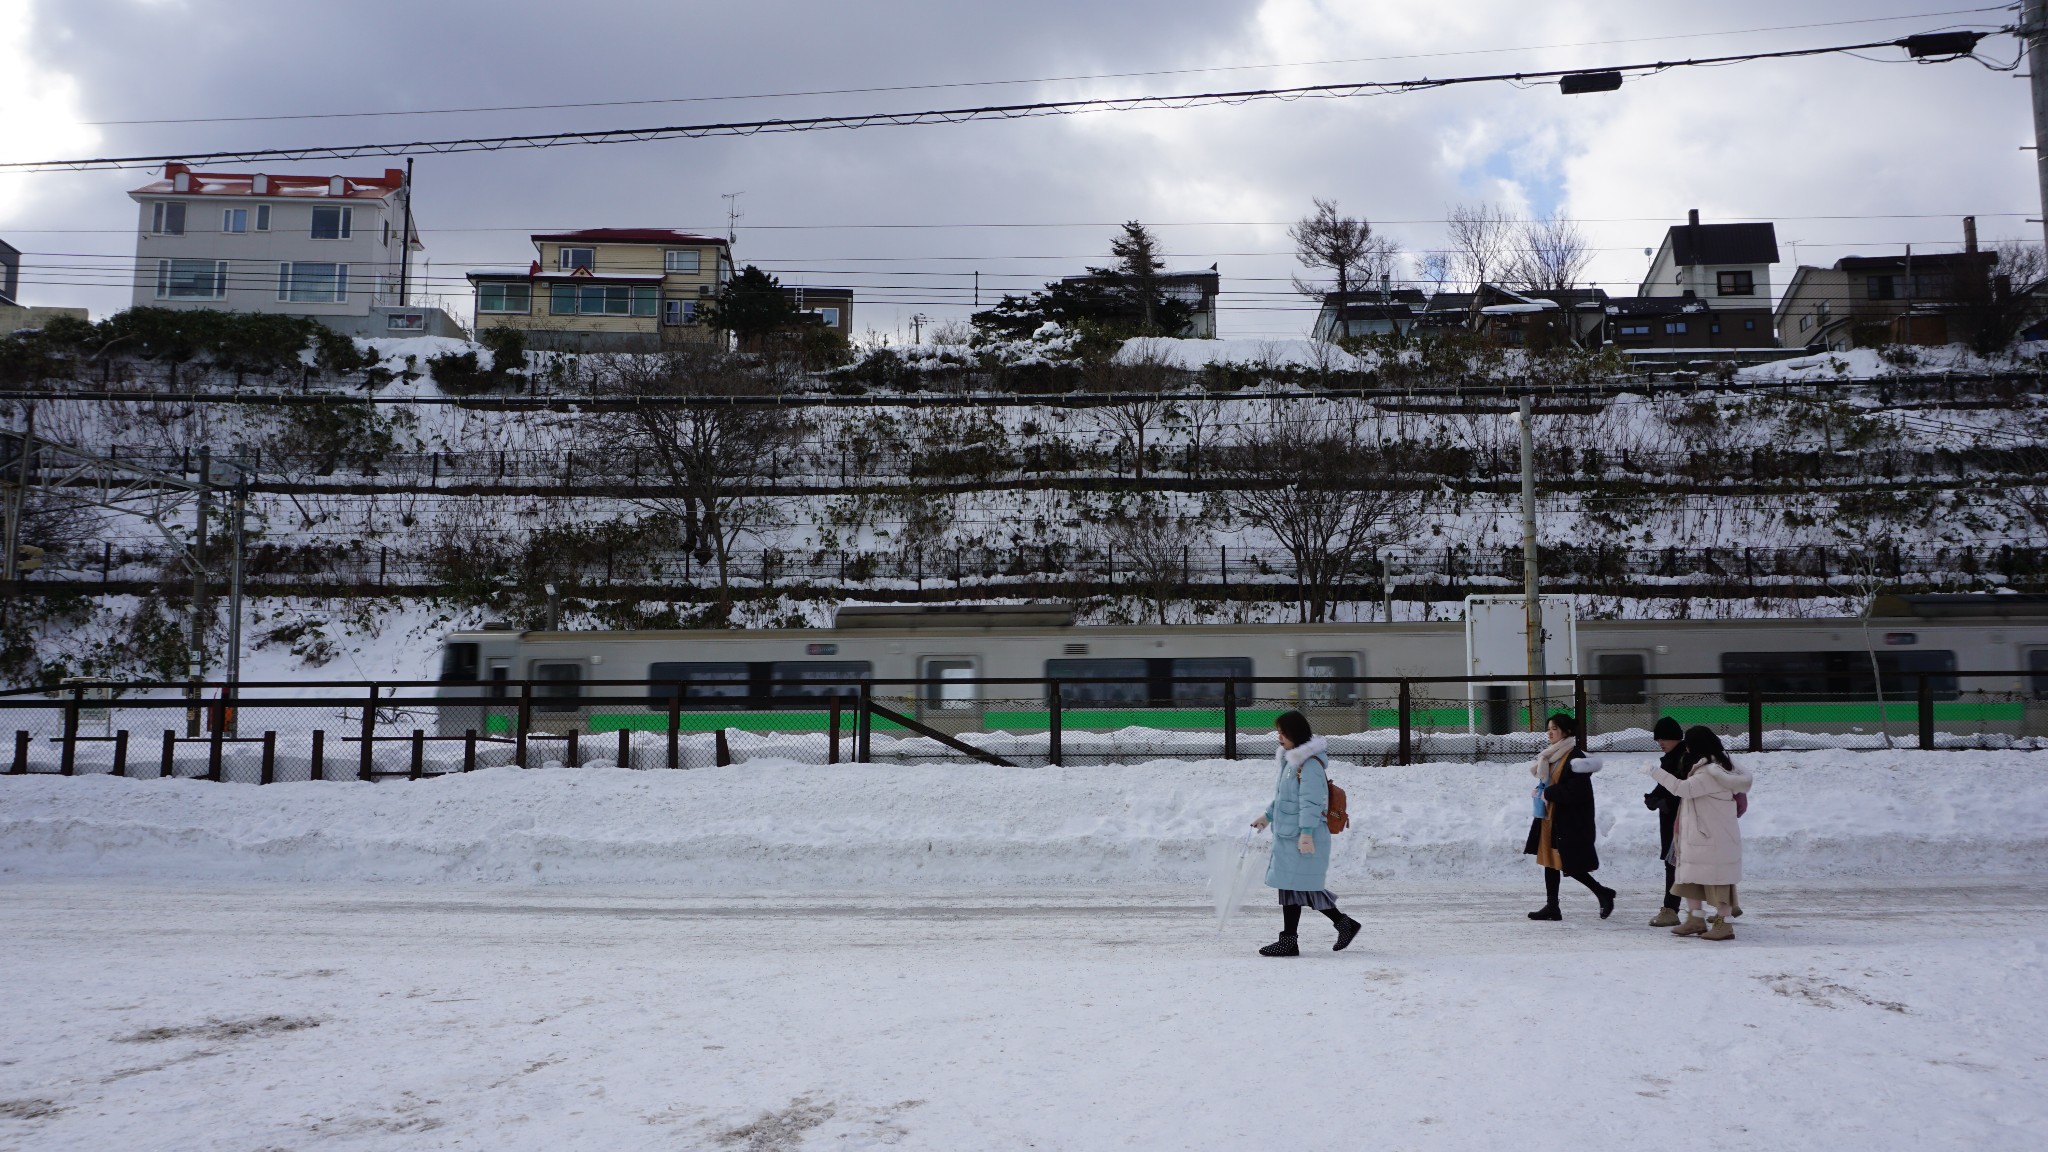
point(1811, 671)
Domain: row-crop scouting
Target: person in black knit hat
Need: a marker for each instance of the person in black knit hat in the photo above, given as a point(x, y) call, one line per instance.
point(1670, 738)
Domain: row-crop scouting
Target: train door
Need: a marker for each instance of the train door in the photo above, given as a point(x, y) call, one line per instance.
point(1621, 696)
point(952, 704)
point(1329, 698)
point(557, 687)
point(2034, 660)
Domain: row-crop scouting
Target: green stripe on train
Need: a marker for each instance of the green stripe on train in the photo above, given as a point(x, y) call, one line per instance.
point(1252, 720)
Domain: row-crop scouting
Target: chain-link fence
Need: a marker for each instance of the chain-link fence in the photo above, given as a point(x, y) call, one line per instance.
point(276, 733)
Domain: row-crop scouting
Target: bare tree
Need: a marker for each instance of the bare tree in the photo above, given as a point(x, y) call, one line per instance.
point(1550, 255)
point(1433, 269)
point(1482, 240)
point(1141, 381)
point(1866, 574)
point(1155, 546)
point(1341, 245)
point(712, 458)
point(1327, 491)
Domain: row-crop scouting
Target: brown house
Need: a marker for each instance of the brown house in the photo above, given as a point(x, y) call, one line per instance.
point(1911, 298)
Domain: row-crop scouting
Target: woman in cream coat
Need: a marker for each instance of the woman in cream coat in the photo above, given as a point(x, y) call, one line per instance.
point(1708, 839)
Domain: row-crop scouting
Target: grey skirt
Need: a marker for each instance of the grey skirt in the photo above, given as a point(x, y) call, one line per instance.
point(1320, 901)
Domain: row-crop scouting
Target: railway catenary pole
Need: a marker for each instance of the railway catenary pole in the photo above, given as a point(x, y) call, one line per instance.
point(17, 502)
point(2034, 30)
point(196, 667)
point(1532, 605)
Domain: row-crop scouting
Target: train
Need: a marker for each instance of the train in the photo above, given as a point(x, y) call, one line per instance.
point(1975, 651)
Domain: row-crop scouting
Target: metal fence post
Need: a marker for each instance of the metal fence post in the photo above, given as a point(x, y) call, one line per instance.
point(68, 762)
point(1404, 748)
point(20, 765)
point(1230, 719)
point(1582, 711)
point(625, 747)
point(832, 732)
point(721, 749)
point(215, 737)
point(316, 761)
point(170, 764)
point(1926, 712)
point(419, 755)
point(1053, 754)
point(269, 773)
point(675, 728)
point(863, 727)
point(1756, 714)
point(525, 722)
point(366, 768)
point(121, 752)
point(469, 750)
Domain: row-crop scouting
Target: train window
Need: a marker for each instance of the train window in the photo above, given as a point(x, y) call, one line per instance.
point(699, 681)
point(501, 673)
point(1322, 679)
point(1208, 693)
point(949, 693)
point(1136, 692)
point(559, 685)
point(460, 664)
point(796, 678)
point(1622, 678)
point(1844, 675)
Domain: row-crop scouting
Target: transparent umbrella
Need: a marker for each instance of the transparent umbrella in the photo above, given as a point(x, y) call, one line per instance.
point(1232, 867)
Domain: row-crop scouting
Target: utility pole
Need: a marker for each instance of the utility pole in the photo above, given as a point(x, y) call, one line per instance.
point(917, 327)
point(17, 503)
point(1532, 604)
point(405, 243)
point(240, 507)
point(2034, 30)
point(196, 668)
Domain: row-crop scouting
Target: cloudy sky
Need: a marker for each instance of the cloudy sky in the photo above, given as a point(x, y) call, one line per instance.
point(1846, 155)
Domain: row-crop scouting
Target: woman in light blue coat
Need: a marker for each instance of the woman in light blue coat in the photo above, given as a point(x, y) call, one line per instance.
point(1301, 836)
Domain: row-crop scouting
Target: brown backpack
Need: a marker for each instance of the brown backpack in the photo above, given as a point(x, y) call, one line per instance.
point(1336, 813)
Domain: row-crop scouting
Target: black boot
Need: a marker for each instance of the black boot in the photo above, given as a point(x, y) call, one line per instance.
point(1547, 912)
point(1606, 902)
point(1286, 945)
point(1347, 930)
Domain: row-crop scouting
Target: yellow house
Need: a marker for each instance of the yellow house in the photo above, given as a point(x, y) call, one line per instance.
point(608, 290)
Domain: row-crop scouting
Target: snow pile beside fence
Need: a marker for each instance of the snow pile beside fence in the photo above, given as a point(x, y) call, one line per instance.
point(781, 826)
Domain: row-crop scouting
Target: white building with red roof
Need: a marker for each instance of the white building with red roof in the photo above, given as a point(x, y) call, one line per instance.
point(607, 289)
point(339, 249)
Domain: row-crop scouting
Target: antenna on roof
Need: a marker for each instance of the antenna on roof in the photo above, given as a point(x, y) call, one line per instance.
point(732, 215)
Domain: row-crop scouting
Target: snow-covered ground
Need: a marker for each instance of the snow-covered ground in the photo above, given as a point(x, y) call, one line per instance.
point(786, 956)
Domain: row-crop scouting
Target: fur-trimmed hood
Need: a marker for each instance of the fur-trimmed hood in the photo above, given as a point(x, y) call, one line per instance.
point(1297, 756)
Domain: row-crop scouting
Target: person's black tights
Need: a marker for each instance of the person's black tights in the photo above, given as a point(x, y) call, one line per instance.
point(1551, 878)
point(1670, 879)
point(1290, 918)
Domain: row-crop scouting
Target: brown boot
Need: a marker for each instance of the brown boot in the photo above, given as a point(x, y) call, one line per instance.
point(1693, 926)
point(1720, 930)
point(1665, 918)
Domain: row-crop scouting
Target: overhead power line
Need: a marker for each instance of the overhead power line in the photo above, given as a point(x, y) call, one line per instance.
point(910, 119)
point(478, 109)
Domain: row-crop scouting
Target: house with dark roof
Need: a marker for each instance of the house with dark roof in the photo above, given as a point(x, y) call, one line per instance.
point(608, 290)
point(1539, 320)
point(1911, 298)
point(1391, 312)
point(1197, 290)
point(1723, 269)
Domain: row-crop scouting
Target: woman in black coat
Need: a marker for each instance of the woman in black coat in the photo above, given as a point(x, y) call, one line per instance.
point(1677, 761)
point(1561, 836)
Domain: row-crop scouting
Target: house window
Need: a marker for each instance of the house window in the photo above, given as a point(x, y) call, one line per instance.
point(1933, 286)
point(1735, 283)
point(1634, 329)
point(263, 217)
point(1881, 287)
point(191, 279)
point(1805, 322)
point(562, 300)
point(1749, 325)
point(499, 297)
point(234, 220)
point(688, 261)
point(679, 312)
point(167, 218)
point(304, 282)
point(333, 223)
point(569, 259)
point(829, 316)
point(1714, 329)
point(1674, 327)
point(605, 300)
point(406, 322)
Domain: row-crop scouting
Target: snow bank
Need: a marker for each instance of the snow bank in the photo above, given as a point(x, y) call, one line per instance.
point(1864, 363)
point(773, 826)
